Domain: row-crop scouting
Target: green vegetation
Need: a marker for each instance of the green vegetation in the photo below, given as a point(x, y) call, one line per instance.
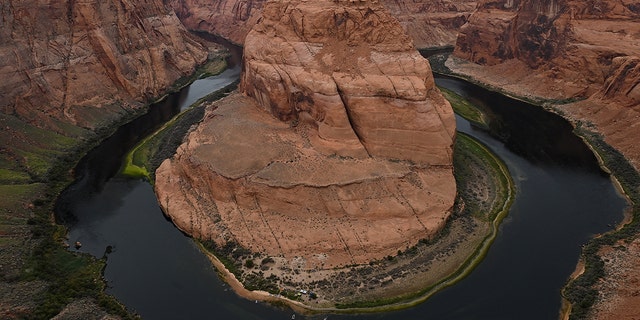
point(29, 150)
point(580, 292)
point(147, 155)
point(469, 156)
point(36, 165)
point(70, 276)
point(212, 68)
point(464, 108)
point(469, 153)
point(13, 177)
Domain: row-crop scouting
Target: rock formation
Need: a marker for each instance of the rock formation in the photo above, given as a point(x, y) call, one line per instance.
point(76, 62)
point(344, 155)
point(68, 68)
point(558, 51)
point(562, 50)
point(339, 74)
point(429, 23)
point(230, 19)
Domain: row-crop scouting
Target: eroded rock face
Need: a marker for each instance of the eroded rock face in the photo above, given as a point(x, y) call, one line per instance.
point(429, 23)
point(559, 50)
point(77, 62)
point(230, 19)
point(565, 49)
point(245, 177)
point(351, 71)
point(569, 45)
point(344, 155)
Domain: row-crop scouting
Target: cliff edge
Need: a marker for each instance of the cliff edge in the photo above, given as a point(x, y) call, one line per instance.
point(429, 23)
point(581, 58)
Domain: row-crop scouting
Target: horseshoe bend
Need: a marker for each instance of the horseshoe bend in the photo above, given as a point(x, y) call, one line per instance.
point(336, 153)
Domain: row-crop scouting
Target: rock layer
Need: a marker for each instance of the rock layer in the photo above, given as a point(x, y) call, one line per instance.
point(429, 23)
point(562, 50)
point(344, 155)
point(230, 19)
point(68, 68)
point(77, 62)
point(357, 78)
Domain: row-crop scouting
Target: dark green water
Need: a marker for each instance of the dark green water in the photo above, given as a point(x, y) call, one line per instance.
point(562, 200)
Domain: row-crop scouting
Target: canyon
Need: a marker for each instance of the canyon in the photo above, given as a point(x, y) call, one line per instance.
point(579, 59)
point(429, 23)
point(95, 58)
point(580, 56)
point(73, 69)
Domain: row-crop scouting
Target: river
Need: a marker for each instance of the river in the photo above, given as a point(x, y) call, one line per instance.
point(562, 200)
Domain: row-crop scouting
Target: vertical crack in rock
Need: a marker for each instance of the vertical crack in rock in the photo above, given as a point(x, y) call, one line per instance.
point(352, 123)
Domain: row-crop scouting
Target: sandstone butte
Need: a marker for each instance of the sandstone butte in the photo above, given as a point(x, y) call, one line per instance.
point(337, 152)
point(583, 59)
point(430, 23)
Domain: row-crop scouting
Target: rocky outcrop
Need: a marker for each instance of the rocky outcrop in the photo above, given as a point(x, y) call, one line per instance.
point(429, 23)
point(556, 52)
point(358, 79)
point(344, 155)
point(561, 50)
point(77, 62)
point(230, 19)
point(69, 68)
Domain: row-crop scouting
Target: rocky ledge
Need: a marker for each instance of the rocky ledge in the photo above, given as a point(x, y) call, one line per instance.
point(582, 59)
point(429, 23)
point(343, 155)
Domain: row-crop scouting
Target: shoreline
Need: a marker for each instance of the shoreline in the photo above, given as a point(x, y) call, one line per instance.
point(31, 268)
point(550, 105)
point(407, 299)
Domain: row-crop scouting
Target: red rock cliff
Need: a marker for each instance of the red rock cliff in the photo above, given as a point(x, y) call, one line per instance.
point(430, 23)
point(558, 50)
point(80, 61)
point(354, 72)
point(231, 19)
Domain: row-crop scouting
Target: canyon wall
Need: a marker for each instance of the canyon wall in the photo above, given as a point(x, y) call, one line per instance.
point(343, 156)
point(75, 62)
point(68, 69)
point(559, 51)
point(430, 23)
point(230, 19)
point(581, 58)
